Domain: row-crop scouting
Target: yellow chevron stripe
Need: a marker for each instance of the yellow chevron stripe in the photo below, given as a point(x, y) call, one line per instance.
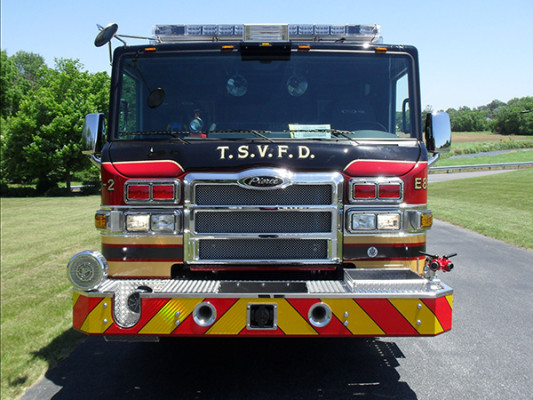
point(418, 315)
point(75, 297)
point(450, 300)
point(359, 323)
point(164, 322)
point(232, 322)
point(99, 319)
point(290, 321)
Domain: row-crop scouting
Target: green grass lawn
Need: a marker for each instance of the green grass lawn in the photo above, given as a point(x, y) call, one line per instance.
point(39, 236)
point(477, 142)
point(512, 156)
point(499, 206)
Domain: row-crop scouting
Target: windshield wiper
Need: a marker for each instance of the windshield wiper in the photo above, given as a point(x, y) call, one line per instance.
point(344, 134)
point(174, 134)
point(335, 132)
point(255, 132)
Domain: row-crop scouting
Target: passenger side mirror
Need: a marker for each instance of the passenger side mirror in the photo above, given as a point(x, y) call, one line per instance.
point(93, 137)
point(438, 133)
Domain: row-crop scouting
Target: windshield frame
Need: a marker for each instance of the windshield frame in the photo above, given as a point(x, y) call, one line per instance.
point(124, 53)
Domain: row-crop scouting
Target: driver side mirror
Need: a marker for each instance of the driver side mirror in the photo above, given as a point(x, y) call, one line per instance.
point(93, 137)
point(438, 132)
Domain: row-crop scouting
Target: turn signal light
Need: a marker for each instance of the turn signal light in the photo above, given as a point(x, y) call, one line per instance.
point(100, 220)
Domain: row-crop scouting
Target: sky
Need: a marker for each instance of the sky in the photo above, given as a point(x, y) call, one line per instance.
point(471, 52)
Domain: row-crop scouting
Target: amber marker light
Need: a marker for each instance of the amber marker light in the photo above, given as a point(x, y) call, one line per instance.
point(380, 50)
point(227, 48)
point(150, 50)
point(426, 220)
point(304, 48)
point(100, 221)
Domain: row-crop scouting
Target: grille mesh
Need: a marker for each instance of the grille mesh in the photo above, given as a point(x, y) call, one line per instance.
point(266, 249)
point(262, 222)
point(223, 194)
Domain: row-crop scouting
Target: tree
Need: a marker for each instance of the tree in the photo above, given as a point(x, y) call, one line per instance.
point(468, 120)
point(11, 92)
point(44, 139)
point(514, 118)
point(30, 66)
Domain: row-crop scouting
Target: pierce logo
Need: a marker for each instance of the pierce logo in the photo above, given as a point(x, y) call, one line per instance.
point(262, 182)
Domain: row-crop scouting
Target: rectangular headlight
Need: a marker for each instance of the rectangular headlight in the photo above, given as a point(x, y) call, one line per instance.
point(138, 222)
point(388, 221)
point(163, 223)
point(363, 222)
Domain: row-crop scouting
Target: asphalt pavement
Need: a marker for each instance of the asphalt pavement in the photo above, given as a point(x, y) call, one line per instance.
point(463, 175)
point(486, 355)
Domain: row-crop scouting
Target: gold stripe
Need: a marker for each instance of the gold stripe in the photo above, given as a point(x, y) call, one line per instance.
point(415, 265)
point(359, 323)
point(385, 239)
point(418, 315)
point(140, 268)
point(450, 300)
point(99, 319)
point(164, 322)
point(143, 240)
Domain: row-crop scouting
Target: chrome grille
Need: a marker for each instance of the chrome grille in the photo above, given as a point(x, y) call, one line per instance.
point(227, 222)
point(270, 249)
point(263, 222)
point(296, 195)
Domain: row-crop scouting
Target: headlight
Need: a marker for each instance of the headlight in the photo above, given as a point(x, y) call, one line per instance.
point(138, 222)
point(87, 270)
point(163, 223)
point(363, 222)
point(388, 221)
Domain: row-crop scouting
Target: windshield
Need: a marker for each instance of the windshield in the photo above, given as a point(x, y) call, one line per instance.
point(309, 95)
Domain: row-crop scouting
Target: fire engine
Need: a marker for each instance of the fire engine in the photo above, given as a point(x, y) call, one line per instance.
point(262, 180)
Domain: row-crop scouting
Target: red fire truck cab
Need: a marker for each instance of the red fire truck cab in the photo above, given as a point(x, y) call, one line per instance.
point(266, 180)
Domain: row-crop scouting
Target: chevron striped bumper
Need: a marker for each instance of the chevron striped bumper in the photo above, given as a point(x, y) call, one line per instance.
point(366, 303)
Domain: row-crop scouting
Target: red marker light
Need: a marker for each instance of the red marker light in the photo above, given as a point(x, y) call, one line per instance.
point(163, 192)
point(139, 192)
point(390, 191)
point(364, 191)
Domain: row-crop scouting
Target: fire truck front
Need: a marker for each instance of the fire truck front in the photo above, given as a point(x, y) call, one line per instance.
point(262, 180)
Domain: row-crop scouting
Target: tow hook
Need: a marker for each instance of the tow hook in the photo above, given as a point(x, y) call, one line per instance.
point(436, 263)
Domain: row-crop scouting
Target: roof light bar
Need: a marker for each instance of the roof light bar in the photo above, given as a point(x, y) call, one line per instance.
point(267, 33)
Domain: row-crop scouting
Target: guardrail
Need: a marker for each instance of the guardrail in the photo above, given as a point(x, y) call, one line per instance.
point(459, 168)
